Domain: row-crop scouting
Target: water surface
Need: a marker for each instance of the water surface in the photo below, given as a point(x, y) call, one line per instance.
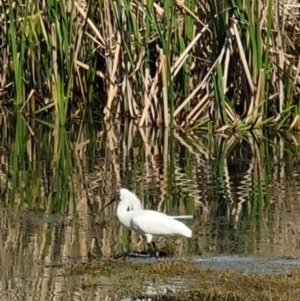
point(244, 194)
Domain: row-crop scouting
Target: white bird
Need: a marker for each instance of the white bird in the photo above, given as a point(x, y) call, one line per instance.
point(148, 223)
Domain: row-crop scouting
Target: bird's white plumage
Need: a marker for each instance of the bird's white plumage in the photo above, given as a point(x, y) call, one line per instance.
point(148, 222)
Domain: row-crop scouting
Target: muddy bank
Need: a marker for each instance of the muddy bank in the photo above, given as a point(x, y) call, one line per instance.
point(214, 278)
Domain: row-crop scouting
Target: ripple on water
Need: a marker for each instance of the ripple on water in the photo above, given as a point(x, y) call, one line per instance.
point(251, 264)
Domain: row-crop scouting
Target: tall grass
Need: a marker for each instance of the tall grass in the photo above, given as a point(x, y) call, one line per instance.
point(165, 63)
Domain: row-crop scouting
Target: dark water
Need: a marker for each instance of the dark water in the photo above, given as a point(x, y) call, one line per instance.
point(244, 194)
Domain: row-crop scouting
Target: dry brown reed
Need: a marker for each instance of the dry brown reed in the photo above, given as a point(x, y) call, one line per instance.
point(167, 63)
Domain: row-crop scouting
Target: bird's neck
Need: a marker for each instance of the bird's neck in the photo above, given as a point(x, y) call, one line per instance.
point(123, 214)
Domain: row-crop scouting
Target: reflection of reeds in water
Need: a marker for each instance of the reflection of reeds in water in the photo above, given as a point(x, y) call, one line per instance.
point(239, 205)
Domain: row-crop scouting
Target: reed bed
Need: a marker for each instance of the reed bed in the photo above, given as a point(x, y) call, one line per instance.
point(230, 66)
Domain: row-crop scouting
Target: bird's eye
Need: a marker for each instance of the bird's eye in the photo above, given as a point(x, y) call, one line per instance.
point(128, 208)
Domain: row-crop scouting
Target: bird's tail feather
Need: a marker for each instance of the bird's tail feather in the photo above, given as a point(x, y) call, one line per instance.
point(183, 217)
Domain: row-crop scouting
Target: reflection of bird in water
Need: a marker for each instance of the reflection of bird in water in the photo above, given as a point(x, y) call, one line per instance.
point(148, 223)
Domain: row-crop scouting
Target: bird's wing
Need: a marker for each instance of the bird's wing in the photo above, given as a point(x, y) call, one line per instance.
point(157, 223)
point(147, 222)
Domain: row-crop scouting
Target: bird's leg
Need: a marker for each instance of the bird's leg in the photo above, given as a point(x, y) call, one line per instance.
point(154, 252)
point(121, 255)
point(150, 253)
point(132, 255)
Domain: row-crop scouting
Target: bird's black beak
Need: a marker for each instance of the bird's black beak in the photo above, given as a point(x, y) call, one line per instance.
point(114, 199)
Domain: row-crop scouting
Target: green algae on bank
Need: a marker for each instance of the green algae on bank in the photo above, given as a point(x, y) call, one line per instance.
point(185, 280)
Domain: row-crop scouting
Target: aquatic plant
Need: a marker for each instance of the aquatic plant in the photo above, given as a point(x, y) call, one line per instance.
point(195, 283)
point(166, 63)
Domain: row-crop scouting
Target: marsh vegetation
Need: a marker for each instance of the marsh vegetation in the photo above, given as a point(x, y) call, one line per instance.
point(193, 282)
point(165, 69)
point(225, 66)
